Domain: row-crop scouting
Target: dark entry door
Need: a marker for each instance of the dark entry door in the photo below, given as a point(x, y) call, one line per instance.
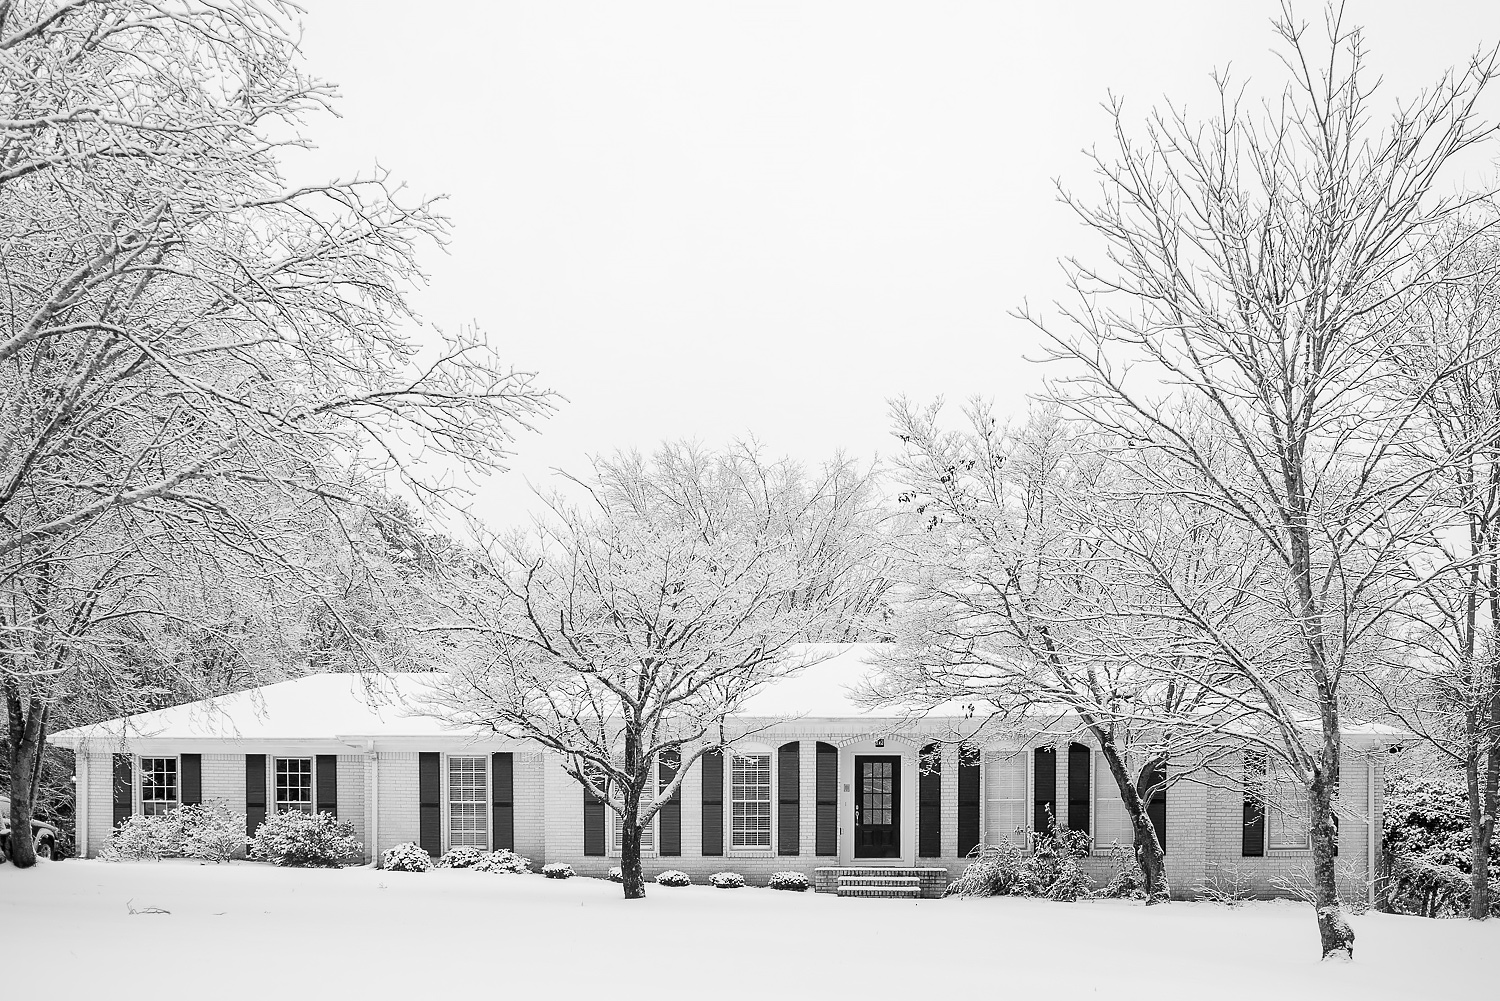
point(877, 807)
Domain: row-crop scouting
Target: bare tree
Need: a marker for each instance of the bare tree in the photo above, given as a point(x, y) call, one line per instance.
point(1448, 691)
point(625, 632)
point(1248, 258)
point(1015, 593)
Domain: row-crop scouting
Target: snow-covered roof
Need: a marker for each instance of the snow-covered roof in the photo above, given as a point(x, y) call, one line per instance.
point(823, 686)
point(315, 706)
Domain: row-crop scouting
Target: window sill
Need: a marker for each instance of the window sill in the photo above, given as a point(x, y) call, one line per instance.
point(750, 853)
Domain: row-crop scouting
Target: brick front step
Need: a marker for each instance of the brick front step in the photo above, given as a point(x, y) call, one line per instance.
point(923, 881)
point(909, 892)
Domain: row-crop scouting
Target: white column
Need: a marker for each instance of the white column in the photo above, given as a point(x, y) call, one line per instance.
point(81, 801)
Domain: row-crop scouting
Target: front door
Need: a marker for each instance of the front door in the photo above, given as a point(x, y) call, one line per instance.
point(877, 807)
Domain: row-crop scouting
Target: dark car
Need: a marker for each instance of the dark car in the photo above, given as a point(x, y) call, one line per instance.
point(43, 835)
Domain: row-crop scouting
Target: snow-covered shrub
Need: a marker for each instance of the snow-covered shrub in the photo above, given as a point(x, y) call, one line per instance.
point(615, 874)
point(461, 857)
point(503, 860)
point(294, 838)
point(558, 870)
point(727, 880)
point(794, 881)
point(997, 871)
point(1425, 854)
point(1128, 882)
point(1052, 870)
point(209, 831)
point(407, 857)
point(673, 877)
point(136, 838)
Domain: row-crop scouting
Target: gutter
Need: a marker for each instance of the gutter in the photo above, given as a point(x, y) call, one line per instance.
point(1372, 761)
point(374, 759)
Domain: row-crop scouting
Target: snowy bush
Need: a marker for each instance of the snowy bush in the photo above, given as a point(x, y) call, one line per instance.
point(211, 831)
point(407, 857)
point(1128, 882)
point(998, 871)
point(795, 881)
point(727, 880)
point(615, 874)
point(673, 877)
point(503, 860)
point(461, 857)
point(558, 870)
point(137, 838)
point(294, 838)
point(1226, 884)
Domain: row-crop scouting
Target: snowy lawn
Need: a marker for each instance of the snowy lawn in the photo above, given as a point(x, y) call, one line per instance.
point(247, 930)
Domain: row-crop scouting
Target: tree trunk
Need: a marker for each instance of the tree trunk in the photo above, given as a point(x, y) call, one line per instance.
point(630, 855)
point(1148, 851)
point(27, 736)
point(1333, 929)
point(1484, 792)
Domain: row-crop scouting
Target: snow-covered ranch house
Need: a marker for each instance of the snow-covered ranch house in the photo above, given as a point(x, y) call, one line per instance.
point(816, 782)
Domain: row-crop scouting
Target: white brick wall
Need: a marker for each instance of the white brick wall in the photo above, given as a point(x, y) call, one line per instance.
point(101, 801)
point(398, 799)
point(351, 795)
point(530, 807)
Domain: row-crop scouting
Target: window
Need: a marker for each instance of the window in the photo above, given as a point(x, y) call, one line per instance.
point(1276, 803)
point(467, 781)
point(750, 795)
point(158, 785)
point(1043, 790)
point(1080, 788)
point(294, 784)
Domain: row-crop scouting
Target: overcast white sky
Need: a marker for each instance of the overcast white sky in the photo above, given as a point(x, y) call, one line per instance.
point(706, 219)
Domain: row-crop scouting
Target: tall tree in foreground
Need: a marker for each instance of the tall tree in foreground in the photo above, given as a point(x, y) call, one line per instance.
point(625, 631)
point(1247, 260)
point(1015, 592)
point(1448, 690)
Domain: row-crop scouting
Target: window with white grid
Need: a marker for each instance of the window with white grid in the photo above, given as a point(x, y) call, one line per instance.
point(294, 784)
point(648, 834)
point(750, 794)
point(467, 802)
point(158, 785)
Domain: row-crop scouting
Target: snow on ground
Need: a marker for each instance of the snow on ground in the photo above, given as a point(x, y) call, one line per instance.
point(247, 930)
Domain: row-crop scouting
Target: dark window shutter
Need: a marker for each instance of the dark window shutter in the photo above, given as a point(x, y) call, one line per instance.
point(1156, 807)
point(255, 793)
point(826, 823)
point(713, 803)
point(124, 788)
point(593, 823)
point(669, 817)
point(968, 799)
point(789, 799)
point(326, 783)
point(503, 800)
point(190, 779)
point(1253, 831)
point(429, 802)
point(930, 802)
point(1080, 777)
point(1044, 789)
point(1335, 835)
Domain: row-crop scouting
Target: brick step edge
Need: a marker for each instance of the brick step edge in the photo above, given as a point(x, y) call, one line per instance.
point(879, 891)
point(881, 881)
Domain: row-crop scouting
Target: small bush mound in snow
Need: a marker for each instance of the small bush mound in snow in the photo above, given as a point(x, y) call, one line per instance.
point(795, 881)
point(727, 880)
point(616, 874)
point(503, 860)
point(461, 857)
point(558, 870)
point(673, 877)
point(294, 838)
point(209, 831)
point(1051, 870)
point(407, 857)
point(1128, 882)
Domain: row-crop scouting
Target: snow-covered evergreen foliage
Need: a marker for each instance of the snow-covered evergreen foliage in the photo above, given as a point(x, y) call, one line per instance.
point(503, 860)
point(558, 870)
point(461, 857)
point(294, 838)
point(407, 857)
point(726, 880)
point(788, 881)
point(1128, 881)
point(1426, 852)
point(1050, 870)
point(209, 831)
point(674, 877)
